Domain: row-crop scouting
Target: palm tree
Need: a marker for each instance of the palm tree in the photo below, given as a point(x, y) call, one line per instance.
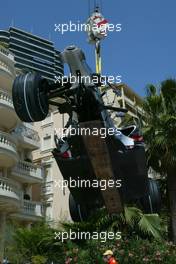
point(160, 137)
point(132, 222)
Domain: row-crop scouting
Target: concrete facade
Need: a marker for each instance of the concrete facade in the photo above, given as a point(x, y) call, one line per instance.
point(55, 199)
point(17, 172)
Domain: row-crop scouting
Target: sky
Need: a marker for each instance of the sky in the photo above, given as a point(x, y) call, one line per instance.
point(143, 52)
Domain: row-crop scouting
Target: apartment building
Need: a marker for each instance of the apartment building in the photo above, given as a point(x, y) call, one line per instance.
point(126, 98)
point(55, 198)
point(130, 100)
point(18, 174)
point(32, 53)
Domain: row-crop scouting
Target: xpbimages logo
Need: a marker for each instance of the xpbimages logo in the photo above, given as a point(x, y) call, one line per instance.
point(82, 235)
point(104, 80)
point(81, 183)
point(102, 132)
point(83, 27)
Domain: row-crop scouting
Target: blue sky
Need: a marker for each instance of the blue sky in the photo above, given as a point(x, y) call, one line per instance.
point(144, 52)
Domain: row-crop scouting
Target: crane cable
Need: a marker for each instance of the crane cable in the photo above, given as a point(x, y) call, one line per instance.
point(97, 3)
point(98, 57)
point(101, 5)
point(98, 61)
point(89, 7)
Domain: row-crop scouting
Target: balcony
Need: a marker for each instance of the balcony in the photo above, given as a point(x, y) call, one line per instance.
point(8, 151)
point(130, 102)
point(27, 137)
point(6, 53)
point(29, 211)
point(133, 105)
point(132, 113)
point(7, 112)
point(10, 195)
point(27, 172)
point(32, 208)
point(140, 110)
point(7, 69)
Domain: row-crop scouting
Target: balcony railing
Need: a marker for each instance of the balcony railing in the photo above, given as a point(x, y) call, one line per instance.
point(7, 142)
point(27, 170)
point(27, 132)
point(5, 67)
point(28, 136)
point(6, 98)
point(7, 62)
point(6, 53)
point(128, 100)
point(9, 189)
point(32, 208)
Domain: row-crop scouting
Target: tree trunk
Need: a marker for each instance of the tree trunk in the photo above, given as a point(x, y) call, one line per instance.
point(172, 204)
point(2, 234)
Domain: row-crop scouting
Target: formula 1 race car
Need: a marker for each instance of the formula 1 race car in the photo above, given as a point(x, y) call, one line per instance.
point(107, 170)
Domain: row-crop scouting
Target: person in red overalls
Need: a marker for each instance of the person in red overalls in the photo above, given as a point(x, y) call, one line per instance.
point(108, 257)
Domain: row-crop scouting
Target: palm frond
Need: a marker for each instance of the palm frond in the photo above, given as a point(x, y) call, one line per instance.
point(151, 224)
point(130, 215)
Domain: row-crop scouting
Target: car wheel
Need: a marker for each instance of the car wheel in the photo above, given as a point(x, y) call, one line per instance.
point(29, 95)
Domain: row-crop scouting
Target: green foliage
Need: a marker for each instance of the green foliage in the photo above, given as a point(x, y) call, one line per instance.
point(128, 120)
point(149, 224)
point(160, 128)
point(132, 222)
point(144, 251)
point(127, 251)
point(39, 240)
point(37, 245)
point(159, 135)
point(38, 260)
